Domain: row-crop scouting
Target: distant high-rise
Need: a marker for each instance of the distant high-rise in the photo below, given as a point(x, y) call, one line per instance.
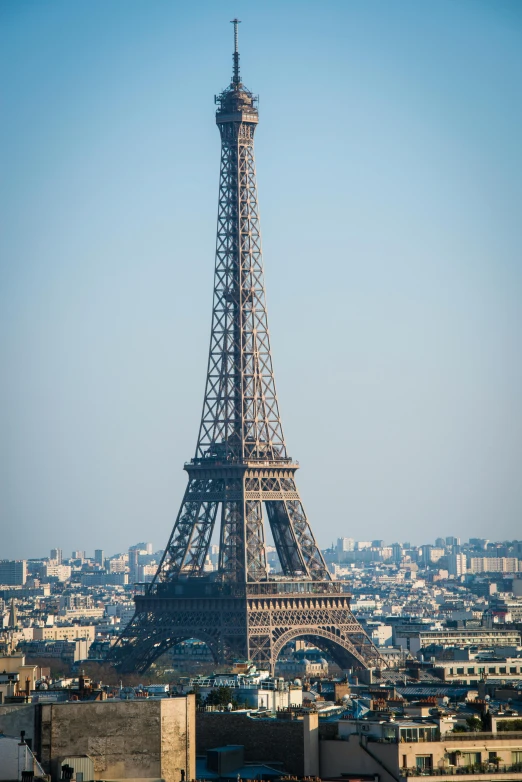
point(481, 543)
point(78, 555)
point(13, 616)
point(345, 544)
point(99, 557)
point(457, 564)
point(425, 554)
point(451, 541)
point(134, 555)
point(13, 572)
point(56, 555)
point(146, 548)
point(396, 552)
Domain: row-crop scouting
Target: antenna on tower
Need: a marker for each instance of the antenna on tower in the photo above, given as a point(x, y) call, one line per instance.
point(235, 75)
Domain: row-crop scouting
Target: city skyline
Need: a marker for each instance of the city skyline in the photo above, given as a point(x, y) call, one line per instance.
point(354, 544)
point(407, 348)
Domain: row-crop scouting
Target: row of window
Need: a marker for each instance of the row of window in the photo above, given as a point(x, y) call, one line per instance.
point(413, 735)
point(425, 762)
point(475, 758)
point(514, 669)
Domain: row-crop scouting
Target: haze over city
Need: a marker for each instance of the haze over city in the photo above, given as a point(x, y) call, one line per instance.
point(389, 170)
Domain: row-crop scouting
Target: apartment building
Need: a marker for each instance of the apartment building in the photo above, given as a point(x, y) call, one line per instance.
point(472, 671)
point(414, 640)
point(13, 572)
point(405, 748)
point(494, 565)
point(66, 633)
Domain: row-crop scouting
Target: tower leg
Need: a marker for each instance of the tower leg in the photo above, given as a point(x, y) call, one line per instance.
point(189, 541)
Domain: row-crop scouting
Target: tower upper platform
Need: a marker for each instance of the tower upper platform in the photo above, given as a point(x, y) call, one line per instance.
point(236, 103)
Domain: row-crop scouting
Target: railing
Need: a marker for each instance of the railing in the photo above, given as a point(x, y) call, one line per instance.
point(296, 587)
point(194, 587)
point(471, 736)
point(248, 461)
point(205, 587)
point(401, 740)
point(481, 768)
point(238, 684)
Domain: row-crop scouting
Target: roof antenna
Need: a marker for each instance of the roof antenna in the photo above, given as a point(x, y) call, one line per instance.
point(235, 77)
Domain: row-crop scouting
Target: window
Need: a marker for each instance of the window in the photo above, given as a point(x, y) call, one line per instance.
point(502, 670)
point(428, 734)
point(405, 761)
point(412, 734)
point(424, 762)
point(492, 669)
point(470, 758)
point(516, 757)
point(513, 669)
point(460, 671)
point(471, 670)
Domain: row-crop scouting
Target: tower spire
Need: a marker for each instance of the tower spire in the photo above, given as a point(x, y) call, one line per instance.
point(235, 73)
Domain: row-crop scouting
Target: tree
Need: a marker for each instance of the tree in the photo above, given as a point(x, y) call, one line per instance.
point(220, 696)
point(199, 697)
point(474, 723)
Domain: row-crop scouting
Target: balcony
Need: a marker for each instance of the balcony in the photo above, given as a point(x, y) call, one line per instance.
point(481, 772)
point(299, 588)
point(502, 735)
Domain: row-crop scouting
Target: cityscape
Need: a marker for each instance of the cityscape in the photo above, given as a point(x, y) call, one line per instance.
point(445, 617)
point(243, 648)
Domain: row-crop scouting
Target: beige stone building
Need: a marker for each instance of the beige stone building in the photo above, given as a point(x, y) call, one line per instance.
point(64, 633)
point(135, 739)
point(404, 749)
point(15, 663)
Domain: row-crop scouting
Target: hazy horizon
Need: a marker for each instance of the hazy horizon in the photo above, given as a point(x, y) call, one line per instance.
point(390, 185)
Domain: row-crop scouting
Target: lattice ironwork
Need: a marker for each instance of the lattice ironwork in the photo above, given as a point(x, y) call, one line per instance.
point(241, 465)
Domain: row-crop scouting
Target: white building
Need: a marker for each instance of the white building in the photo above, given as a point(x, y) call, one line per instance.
point(457, 564)
point(61, 572)
point(253, 692)
point(380, 634)
point(494, 565)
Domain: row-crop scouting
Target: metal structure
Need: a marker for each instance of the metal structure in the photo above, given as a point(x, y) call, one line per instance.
point(241, 463)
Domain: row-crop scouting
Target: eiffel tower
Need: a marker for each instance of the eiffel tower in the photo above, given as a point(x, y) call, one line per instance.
point(241, 463)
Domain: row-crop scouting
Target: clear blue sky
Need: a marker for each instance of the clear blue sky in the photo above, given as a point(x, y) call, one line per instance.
point(390, 180)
